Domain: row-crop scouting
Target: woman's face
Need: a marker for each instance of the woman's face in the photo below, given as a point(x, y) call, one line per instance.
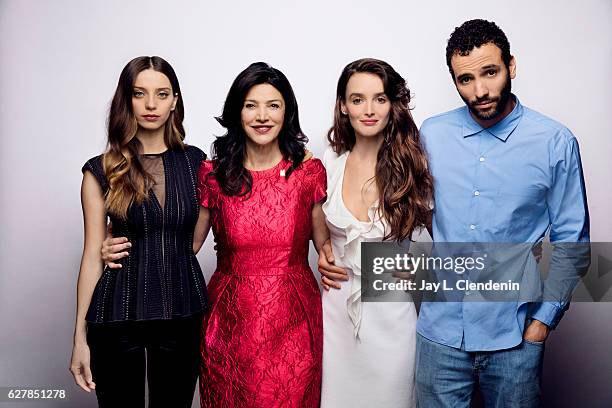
point(263, 113)
point(152, 99)
point(366, 104)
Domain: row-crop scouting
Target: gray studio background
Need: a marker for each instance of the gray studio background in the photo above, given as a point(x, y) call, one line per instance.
point(59, 65)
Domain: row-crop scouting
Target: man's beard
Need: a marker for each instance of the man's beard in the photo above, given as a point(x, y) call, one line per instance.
point(500, 102)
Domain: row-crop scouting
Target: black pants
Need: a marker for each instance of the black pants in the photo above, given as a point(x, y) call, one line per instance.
point(171, 361)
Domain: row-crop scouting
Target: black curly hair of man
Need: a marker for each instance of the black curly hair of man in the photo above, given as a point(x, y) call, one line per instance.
point(473, 34)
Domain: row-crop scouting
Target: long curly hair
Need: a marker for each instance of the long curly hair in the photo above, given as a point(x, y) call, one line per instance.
point(402, 177)
point(126, 176)
point(229, 150)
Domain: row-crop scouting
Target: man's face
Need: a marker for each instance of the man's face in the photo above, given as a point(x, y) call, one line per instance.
point(484, 81)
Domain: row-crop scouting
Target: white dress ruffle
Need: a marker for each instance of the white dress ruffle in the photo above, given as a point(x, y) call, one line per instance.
point(348, 233)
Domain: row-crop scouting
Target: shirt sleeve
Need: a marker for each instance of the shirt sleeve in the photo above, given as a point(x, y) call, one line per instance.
point(96, 168)
point(319, 180)
point(197, 155)
point(569, 232)
point(207, 186)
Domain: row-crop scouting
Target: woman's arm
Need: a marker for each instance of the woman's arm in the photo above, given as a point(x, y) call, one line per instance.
point(320, 233)
point(201, 229)
point(114, 249)
point(320, 237)
point(94, 217)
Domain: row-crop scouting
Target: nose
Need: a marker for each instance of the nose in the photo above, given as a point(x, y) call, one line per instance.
point(369, 108)
point(262, 114)
point(150, 102)
point(482, 91)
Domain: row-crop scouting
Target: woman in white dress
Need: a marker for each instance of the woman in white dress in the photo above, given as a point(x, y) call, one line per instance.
point(379, 188)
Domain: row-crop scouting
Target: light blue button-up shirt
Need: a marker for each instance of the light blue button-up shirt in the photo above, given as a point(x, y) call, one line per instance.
point(511, 182)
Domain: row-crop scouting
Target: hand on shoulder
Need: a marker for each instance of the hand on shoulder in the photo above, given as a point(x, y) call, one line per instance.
point(308, 156)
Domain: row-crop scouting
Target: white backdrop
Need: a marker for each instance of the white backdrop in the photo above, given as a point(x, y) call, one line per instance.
point(60, 62)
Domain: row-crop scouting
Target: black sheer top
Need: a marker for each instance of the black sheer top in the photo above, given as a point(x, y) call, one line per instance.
point(161, 278)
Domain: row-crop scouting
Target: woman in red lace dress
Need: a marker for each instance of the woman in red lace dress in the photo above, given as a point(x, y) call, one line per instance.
point(262, 339)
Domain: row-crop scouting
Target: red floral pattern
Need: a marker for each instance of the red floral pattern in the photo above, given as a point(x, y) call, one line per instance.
point(262, 339)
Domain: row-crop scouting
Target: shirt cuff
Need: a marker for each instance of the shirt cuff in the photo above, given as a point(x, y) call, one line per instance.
point(548, 313)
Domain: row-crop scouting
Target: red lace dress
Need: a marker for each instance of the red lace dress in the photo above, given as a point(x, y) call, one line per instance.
point(262, 338)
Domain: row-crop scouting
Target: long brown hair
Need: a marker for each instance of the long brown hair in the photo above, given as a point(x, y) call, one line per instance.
point(402, 177)
point(127, 179)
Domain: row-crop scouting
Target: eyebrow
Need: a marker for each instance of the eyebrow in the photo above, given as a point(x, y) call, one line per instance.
point(360, 94)
point(490, 66)
point(270, 101)
point(158, 89)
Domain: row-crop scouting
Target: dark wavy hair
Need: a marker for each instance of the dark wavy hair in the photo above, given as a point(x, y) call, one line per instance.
point(472, 34)
point(126, 176)
point(229, 150)
point(402, 177)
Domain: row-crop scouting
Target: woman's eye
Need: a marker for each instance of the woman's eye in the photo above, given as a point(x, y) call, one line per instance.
point(275, 106)
point(138, 94)
point(356, 101)
point(163, 95)
point(381, 99)
point(249, 105)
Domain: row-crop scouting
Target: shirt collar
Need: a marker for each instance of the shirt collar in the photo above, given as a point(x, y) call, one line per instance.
point(501, 129)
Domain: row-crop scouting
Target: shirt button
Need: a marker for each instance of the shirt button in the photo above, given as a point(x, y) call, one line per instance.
point(472, 226)
point(481, 159)
point(476, 193)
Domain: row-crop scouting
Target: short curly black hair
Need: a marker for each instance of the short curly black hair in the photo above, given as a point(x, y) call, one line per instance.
point(472, 34)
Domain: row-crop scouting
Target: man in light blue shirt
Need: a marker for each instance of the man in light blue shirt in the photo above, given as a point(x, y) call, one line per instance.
point(502, 173)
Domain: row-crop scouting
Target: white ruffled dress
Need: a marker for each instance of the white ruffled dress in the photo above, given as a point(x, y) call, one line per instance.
point(368, 348)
